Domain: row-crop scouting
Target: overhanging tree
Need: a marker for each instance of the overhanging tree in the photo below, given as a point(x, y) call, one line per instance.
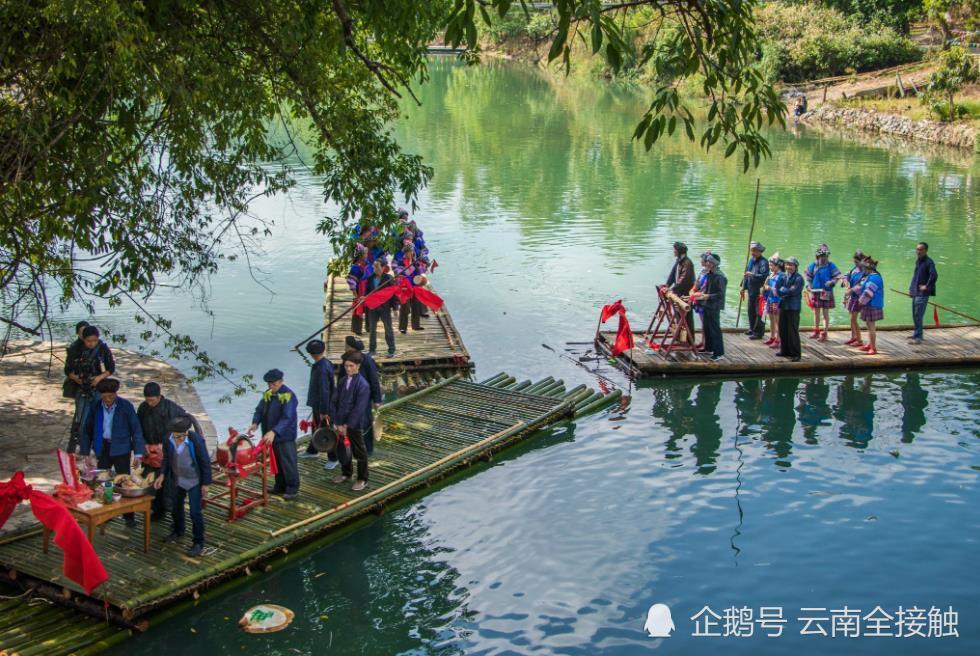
point(133, 135)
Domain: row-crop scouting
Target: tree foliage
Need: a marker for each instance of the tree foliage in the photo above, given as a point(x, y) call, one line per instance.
point(956, 69)
point(716, 41)
point(135, 133)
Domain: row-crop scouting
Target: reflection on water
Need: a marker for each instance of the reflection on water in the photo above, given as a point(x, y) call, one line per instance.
point(835, 491)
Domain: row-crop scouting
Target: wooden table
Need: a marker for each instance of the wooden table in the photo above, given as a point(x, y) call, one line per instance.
point(90, 519)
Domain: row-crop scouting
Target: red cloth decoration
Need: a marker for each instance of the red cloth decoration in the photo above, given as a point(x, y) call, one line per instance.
point(624, 334)
point(405, 292)
point(935, 315)
point(305, 425)
point(81, 564)
point(762, 308)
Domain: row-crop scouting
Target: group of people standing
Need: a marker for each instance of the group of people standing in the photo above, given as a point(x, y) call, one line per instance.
point(777, 289)
point(343, 401)
point(375, 267)
point(158, 437)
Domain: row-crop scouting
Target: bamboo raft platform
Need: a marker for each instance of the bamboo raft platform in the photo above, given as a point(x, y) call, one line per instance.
point(942, 347)
point(437, 347)
point(426, 436)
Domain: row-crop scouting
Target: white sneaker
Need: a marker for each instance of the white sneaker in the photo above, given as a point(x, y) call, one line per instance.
point(330, 464)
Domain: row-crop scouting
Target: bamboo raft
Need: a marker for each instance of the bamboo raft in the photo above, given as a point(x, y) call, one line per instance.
point(943, 347)
point(426, 436)
point(437, 347)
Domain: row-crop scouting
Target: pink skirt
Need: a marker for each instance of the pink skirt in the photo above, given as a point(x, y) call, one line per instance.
point(823, 301)
point(872, 313)
point(851, 303)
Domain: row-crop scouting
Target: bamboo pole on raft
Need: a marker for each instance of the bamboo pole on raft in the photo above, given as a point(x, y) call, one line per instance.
point(748, 254)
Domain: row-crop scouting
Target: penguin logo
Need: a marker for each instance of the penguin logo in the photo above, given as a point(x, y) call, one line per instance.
point(659, 623)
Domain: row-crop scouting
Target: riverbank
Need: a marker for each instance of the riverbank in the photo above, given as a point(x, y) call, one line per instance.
point(959, 134)
point(35, 419)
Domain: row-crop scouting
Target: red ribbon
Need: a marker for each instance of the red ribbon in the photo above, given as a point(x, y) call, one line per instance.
point(935, 315)
point(624, 334)
point(81, 564)
point(405, 292)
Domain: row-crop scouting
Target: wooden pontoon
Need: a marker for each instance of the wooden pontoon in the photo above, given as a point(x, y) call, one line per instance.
point(426, 435)
point(437, 347)
point(942, 347)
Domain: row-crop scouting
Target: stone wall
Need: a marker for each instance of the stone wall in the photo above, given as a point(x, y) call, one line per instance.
point(959, 135)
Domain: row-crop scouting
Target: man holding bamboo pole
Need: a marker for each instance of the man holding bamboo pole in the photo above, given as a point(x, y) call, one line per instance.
point(756, 272)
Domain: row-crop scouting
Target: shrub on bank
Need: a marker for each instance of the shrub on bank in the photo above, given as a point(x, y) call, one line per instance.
point(809, 41)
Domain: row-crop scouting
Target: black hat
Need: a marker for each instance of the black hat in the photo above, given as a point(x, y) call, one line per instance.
point(354, 343)
point(180, 424)
point(681, 247)
point(272, 375)
point(151, 389)
point(315, 347)
point(80, 325)
point(110, 385)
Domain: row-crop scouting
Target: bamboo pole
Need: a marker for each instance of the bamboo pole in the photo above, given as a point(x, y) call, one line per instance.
point(941, 307)
point(345, 312)
point(748, 254)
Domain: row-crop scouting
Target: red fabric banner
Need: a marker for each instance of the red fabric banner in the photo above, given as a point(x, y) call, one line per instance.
point(624, 334)
point(81, 564)
point(405, 292)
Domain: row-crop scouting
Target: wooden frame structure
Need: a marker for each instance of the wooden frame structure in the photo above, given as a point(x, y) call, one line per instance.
point(676, 337)
point(240, 499)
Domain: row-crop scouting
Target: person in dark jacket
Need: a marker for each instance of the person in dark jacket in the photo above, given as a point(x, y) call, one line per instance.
point(711, 298)
point(681, 278)
point(88, 362)
point(923, 286)
point(790, 295)
point(187, 473)
point(369, 369)
point(756, 272)
point(112, 436)
point(318, 395)
point(383, 313)
point(276, 414)
point(351, 405)
point(156, 414)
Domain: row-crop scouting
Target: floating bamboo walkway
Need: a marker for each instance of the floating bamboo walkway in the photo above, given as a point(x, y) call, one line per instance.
point(426, 435)
point(437, 347)
point(942, 347)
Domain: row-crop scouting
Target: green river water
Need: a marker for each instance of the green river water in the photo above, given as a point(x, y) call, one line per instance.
point(841, 493)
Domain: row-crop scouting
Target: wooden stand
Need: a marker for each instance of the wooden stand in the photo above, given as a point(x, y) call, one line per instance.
point(676, 337)
point(90, 519)
point(230, 496)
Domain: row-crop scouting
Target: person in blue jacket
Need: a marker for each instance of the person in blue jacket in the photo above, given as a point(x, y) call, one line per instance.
point(351, 404)
point(753, 281)
point(790, 295)
point(369, 369)
point(187, 465)
point(318, 394)
point(872, 302)
point(276, 414)
point(923, 286)
point(112, 436)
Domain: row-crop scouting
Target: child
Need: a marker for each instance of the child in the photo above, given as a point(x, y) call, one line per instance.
point(186, 461)
point(350, 411)
point(872, 302)
point(854, 281)
point(821, 276)
point(770, 294)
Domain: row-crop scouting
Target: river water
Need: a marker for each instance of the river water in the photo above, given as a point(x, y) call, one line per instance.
point(838, 494)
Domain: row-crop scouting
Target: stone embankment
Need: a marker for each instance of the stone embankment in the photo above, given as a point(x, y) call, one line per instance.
point(959, 135)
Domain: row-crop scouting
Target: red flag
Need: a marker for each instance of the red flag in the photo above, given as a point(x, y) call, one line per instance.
point(624, 336)
point(81, 564)
point(935, 315)
point(611, 310)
